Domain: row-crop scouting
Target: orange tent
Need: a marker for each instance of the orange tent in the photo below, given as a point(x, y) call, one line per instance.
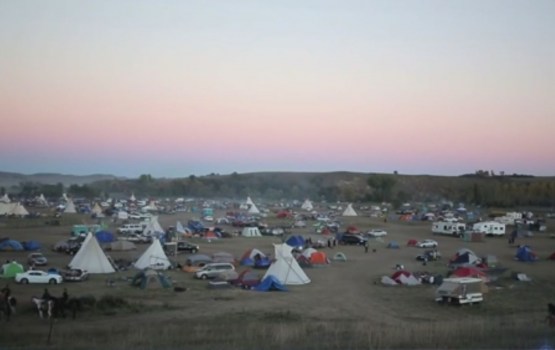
point(319, 258)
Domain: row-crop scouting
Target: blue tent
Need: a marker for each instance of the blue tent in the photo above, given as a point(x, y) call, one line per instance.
point(393, 245)
point(524, 253)
point(31, 245)
point(10, 244)
point(270, 283)
point(295, 241)
point(104, 237)
point(262, 263)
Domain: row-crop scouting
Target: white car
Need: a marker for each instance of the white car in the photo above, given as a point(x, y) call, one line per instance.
point(376, 232)
point(38, 276)
point(427, 243)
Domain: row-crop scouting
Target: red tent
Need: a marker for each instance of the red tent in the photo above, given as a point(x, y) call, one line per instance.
point(412, 243)
point(352, 229)
point(469, 271)
point(396, 276)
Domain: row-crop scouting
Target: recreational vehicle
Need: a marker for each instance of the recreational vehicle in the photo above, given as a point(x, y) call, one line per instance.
point(448, 228)
point(489, 228)
point(461, 290)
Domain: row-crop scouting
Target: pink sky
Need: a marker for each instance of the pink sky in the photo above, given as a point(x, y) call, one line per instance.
point(184, 89)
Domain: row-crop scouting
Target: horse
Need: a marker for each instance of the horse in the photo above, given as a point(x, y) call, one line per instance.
point(45, 307)
point(7, 306)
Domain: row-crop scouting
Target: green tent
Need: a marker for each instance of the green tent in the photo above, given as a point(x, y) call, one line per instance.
point(151, 279)
point(9, 270)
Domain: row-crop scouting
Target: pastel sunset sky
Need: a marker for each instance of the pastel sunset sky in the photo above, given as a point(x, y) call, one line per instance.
point(174, 88)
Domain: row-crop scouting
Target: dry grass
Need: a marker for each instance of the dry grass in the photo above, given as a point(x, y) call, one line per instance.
point(341, 309)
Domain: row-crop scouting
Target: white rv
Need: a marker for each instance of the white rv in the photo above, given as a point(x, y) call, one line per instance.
point(452, 228)
point(490, 228)
point(462, 290)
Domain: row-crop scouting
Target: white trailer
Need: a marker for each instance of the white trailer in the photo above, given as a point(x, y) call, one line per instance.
point(490, 228)
point(451, 228)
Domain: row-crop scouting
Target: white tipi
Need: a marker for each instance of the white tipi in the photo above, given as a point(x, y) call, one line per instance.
point(5, 198)
point(132, 198)
point(253, 209)
point(154, 257)
point(19, 210)
point(91, 257)
point(349, 211)
point(285, 268)
point(97, 210)
point(70, 207)
point(307, 205)
point(153, 227)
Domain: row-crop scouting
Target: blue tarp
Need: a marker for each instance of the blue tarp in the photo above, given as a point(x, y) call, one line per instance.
point(10, 244)
point(104, 237)
point(262, 263)
point(524, 253)
point(31, 245)
point(295, 241)
point(270, 283)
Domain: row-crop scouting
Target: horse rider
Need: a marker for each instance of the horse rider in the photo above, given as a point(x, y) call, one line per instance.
point(46, 295)
point(6, 291)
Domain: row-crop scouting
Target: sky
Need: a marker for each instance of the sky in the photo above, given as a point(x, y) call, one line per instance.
point(174, 88)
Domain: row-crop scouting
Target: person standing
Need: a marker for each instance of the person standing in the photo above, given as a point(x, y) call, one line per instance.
point(366, 247)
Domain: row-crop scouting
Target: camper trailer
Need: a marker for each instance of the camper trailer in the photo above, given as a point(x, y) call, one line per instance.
point(490, 228)
point(448, 228)
point(461, 290)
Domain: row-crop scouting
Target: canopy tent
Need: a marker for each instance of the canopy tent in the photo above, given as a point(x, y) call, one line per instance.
point(285, 268)
point(251, 232)
point(91, 257)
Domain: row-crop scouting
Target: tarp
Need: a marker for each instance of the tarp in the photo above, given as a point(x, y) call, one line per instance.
point(223, 257)
point(269, 283)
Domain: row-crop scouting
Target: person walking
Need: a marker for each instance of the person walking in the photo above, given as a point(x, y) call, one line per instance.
point(366, 247)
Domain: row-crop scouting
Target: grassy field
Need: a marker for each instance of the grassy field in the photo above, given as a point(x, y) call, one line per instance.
point(342, 308)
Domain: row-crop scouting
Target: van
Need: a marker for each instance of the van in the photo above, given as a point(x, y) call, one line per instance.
point(131, 228)
point(213, 270)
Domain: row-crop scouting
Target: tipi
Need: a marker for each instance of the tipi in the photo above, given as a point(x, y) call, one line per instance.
point(70, 207)
point(349, 211)
point(153, 227)
point(253, 209)
point(5, 198)
point(251, 232)
point(285, 268)
point(132, 198)
point(19, 210)
point(97, 210)
point(91, 257)
point(307, 205)
point(154, 257)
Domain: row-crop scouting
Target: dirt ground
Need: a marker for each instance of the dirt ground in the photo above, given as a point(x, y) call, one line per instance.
point(340, 291)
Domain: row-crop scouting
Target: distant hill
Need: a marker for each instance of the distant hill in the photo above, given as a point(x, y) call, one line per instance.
point(8, 179)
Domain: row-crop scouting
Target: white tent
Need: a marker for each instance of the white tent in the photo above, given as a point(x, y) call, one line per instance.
point(132, 198)
point(5, 208)
point(5, 198)
point(150, 207)
point(97, 209)
point(123, 215)
point(249, 201)
point(349, 211)
point(91, 257)
point(41, 200)
point(285, 268)
point(19, 210)
point(70, 207)
point(251, 232)
point(253, 209)
point(153, 227)
point(154, 258)
point(307, 205)
point(179, 228)
point(64, 196)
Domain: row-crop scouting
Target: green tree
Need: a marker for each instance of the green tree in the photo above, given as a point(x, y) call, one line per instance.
point(382, 186)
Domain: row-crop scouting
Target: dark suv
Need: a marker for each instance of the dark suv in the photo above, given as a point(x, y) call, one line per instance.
point(187, 247)
point(353, 240)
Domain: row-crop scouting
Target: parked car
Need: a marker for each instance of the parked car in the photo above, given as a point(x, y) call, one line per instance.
point(429, 255)
point(75, 275)
point(136, 238)
point(37, 259)
point(213, 270)
point(353, 240)
point(184, 246)
point(427, 243)
point(38, 276)
point(376, 232)
point(131, 228)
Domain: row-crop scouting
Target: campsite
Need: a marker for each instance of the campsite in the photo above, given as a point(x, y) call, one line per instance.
point(340, 304)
